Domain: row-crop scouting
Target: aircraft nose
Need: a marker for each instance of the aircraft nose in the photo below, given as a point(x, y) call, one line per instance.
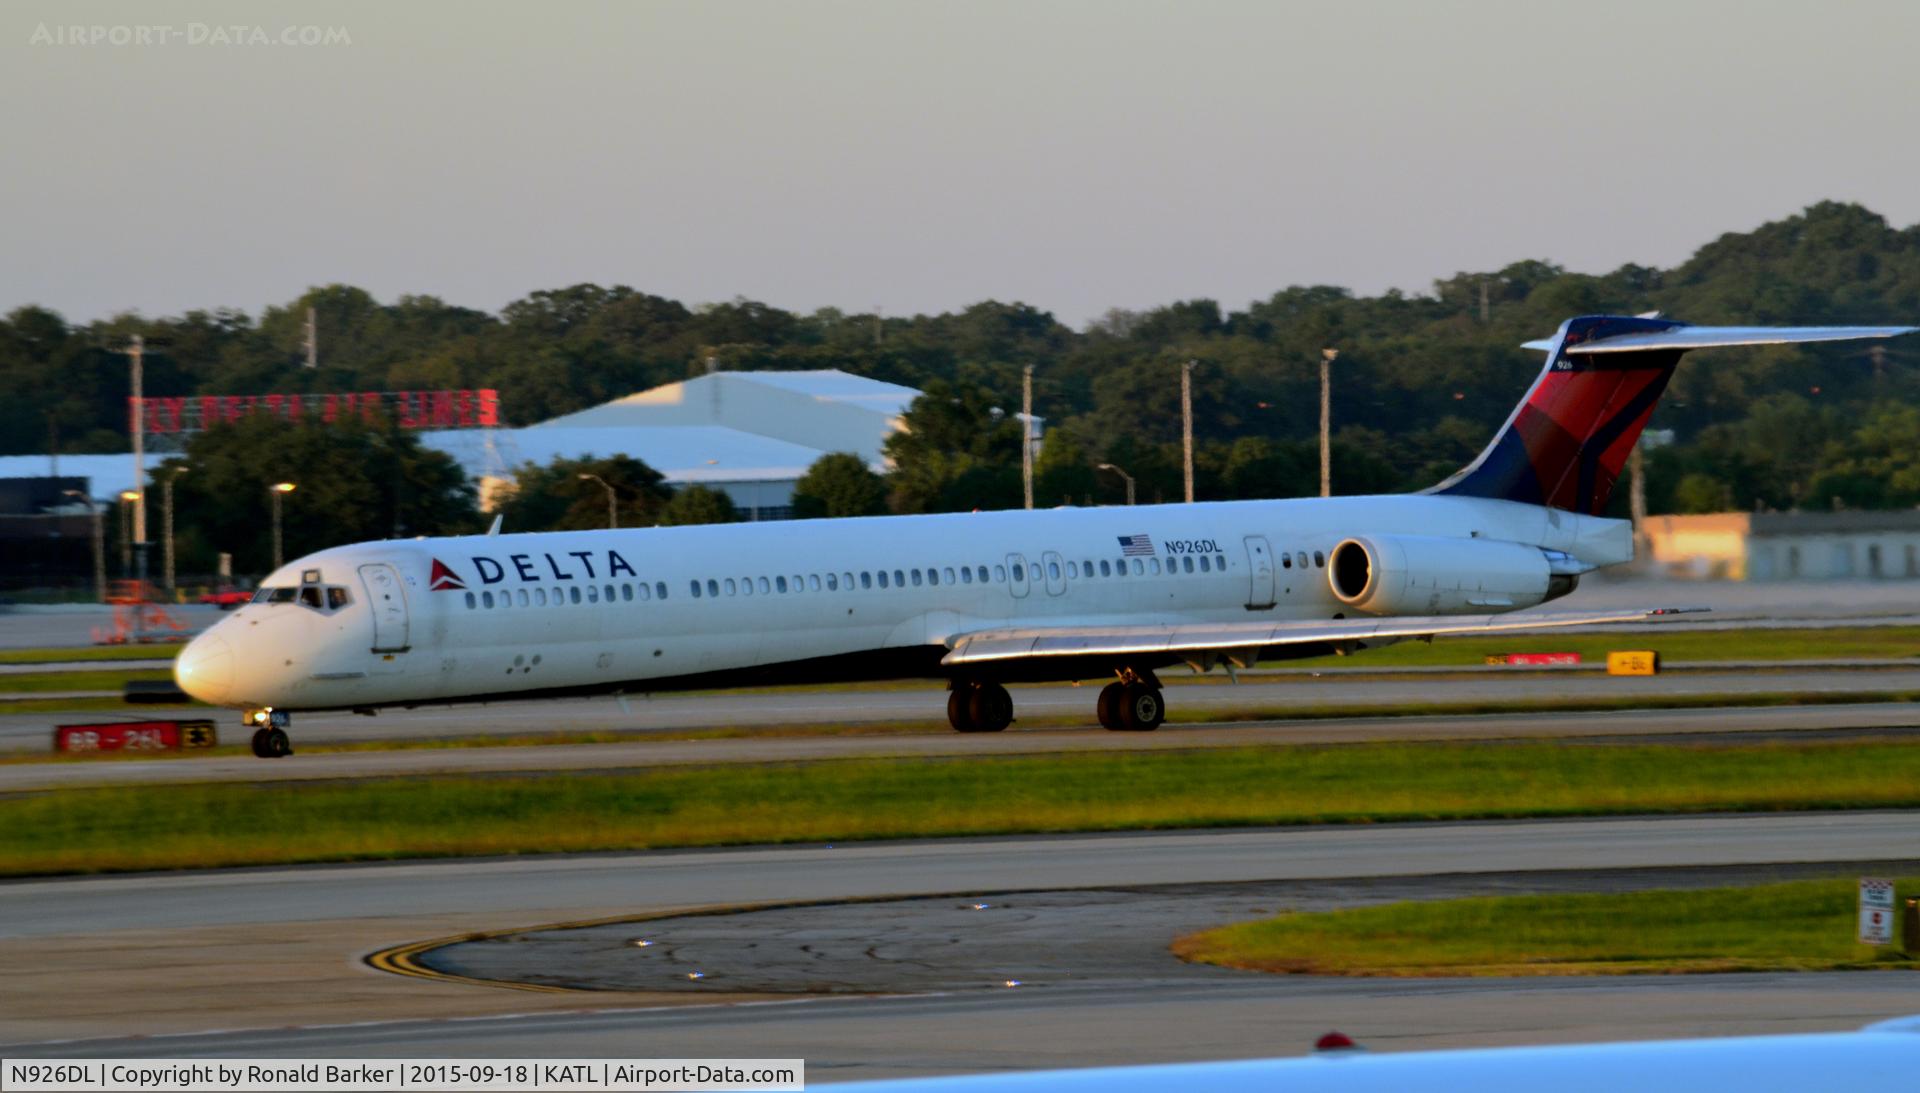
point(204, 669)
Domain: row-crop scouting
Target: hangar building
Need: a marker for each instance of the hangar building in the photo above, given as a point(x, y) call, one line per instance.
point(749, 434)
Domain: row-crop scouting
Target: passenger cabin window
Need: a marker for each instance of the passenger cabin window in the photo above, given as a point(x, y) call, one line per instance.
point(696, 590)
point(866, 579)
point(1319, 560)
point(729, 587)
point(916, 578)
point(521, 595)
point(1019, 571)
point(983, 574)
point(1286, 561)
point(899, 579)
point(1186, 563)
point(779, 584)
point(486, 598)
point(999, 573)
point(1053, 571)
point(713, 589)
point(660, 589)
point(471, 600)
point(1203, 564)
point(813, 581)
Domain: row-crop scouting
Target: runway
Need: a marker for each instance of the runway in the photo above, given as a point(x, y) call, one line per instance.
point(109, 958)
point(1882, 720)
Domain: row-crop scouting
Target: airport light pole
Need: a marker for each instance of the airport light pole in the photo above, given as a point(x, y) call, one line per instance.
point(1327, 357)
point(1026, 433)
point(99, 545)
point(277, 491)
point(129, 501)
point(1124, 475)
point(1186, 423)
point(613, 511)
point(166, 523)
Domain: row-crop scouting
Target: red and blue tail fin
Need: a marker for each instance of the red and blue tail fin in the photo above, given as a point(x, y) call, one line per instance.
point(1568, 441)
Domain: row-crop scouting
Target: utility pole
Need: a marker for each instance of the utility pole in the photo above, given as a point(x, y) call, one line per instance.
point(1327, 357)
point(129, 502)
point(1186, 423)
point(313, 339)
point(166, 524)
point(1026, 433)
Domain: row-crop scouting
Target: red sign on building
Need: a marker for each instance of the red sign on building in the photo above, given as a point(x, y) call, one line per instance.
point(460, 409)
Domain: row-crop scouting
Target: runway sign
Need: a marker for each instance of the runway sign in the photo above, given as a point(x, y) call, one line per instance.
point(1876, 911)
point(1634, 662)
point(134, 736)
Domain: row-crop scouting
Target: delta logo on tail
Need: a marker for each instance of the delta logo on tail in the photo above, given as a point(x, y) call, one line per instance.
point(444, 579)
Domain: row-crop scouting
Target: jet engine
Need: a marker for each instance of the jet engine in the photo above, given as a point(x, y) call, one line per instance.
point(1431, 575)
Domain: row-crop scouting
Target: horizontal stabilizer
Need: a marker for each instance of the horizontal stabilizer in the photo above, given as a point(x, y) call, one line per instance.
point(1075, 641)
point(1711, 337)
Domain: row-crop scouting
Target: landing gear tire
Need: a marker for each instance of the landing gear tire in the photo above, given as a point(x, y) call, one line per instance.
point(1131, 707)
point(1108, 706)
point(1141, 708)
point(271, 743)
point(979, 707)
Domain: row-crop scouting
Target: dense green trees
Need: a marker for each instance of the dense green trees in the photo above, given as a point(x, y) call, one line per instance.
point(1421, 383)
point(839, 484)
point(558, 496)
point(698, 505)
point(354, 481)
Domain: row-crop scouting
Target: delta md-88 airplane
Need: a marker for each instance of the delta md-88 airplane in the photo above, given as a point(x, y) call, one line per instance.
point(979, 599)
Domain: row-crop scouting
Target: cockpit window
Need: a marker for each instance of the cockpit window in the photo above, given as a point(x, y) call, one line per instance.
point(280, 595)
point(310, 597)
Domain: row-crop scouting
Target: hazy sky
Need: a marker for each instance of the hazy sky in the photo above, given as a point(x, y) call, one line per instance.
point(921, 156)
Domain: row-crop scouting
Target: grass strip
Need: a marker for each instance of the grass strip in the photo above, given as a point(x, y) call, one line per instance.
point(1863, 642)
point(133, 827)
point(1794, 926)
point(156, 651)
point(26, 683)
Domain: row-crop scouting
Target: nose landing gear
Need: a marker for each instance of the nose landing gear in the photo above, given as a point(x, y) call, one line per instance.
point(270, 740)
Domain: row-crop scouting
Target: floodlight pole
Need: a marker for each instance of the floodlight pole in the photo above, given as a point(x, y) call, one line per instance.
point(1026, 434)
point(1124, 475)
point(1327, 357)
point(613, 512)
point(136, 353)
point(166, 523)
point(1186, 424)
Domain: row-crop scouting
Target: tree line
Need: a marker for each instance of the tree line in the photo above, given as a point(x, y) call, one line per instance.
point(1421, 382)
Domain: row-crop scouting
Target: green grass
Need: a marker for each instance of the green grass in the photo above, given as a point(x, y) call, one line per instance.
point(1681, 645)
point(125, 828)
point(1797, 926)
point(164, 651)
point(103, 680)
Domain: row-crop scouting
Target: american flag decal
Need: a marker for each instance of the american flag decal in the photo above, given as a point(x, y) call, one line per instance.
point(1136, 545)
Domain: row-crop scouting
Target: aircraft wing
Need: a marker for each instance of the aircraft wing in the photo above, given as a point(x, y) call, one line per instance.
point(1017, 643)
point(1709, 337)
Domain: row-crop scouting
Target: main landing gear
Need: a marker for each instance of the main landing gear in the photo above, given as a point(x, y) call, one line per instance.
point(1132, 703)
point(979, 706)
point(270, 740)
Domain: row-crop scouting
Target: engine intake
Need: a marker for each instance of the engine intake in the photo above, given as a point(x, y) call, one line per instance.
point(1431, 575)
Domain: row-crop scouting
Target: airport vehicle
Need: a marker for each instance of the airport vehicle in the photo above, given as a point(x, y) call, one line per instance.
point(226, 599)
point(1874, 1056)
point(981, 599)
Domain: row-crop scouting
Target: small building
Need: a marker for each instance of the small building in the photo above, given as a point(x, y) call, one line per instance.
point(1781, 546)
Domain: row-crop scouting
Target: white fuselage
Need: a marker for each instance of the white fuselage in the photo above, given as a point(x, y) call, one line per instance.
point(617, 609)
